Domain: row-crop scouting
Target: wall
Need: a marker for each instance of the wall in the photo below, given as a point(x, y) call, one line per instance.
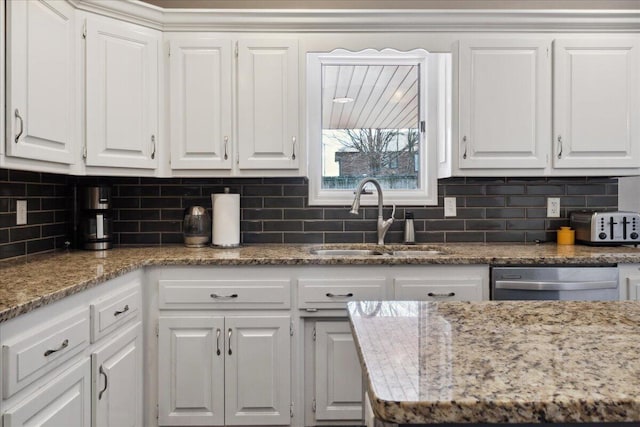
point(148, 211)
point(48, 214)
point(274, 210)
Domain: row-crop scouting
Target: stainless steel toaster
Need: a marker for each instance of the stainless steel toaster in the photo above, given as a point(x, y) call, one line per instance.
point(606, 228)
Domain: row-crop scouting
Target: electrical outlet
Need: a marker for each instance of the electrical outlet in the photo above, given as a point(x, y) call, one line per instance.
point(553, 207)
point(21, 212)
point(450, 206)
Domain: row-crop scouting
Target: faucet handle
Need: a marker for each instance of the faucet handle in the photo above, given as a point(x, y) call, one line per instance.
point(393, 211)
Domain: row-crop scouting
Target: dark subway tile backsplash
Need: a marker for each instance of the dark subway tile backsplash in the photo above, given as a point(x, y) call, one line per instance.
point(148, 211)
point(48, 216)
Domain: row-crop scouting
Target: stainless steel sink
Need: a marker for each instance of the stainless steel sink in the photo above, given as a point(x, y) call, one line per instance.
point(416, 253)
point(345, 252)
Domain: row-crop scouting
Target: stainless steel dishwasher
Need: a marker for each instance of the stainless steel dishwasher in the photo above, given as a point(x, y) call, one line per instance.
point(555, 283)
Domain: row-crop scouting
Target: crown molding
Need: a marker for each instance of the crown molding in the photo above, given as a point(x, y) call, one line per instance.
point(305, 20)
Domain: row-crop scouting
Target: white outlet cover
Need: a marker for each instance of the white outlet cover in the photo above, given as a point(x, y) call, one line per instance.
point(450, 206)
point(21, 212)
point(553, 207)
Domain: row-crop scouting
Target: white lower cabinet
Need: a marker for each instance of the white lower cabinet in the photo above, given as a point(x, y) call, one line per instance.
point(443, 283)
point(224, 370)
point(117, 380)
point(629, 282)
point(338, 385)
point(53, 375)
point(62, 402)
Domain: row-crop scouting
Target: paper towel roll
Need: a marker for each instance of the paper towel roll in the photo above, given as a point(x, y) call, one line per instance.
point(226, 219)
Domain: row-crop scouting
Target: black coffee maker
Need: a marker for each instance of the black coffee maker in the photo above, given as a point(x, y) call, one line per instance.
point(94, 231)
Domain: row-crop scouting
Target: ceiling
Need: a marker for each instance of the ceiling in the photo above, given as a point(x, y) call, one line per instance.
point(396, 4)
point(383, 96)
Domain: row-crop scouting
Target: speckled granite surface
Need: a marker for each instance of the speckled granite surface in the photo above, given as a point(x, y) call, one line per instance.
point(499, 362)
point(38, 280)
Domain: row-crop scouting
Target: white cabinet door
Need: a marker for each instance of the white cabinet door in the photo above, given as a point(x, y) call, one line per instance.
point(63, 402)
point(191, 371)
point(596, 103)
point(337, 372)
point(268, 135)
point(505, 103)
point(41, 80)
point(117, 381)
point(200, 105)
point(257, 370)
point(122, 94)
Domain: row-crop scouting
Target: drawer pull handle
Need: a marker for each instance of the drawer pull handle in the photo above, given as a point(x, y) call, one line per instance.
point(64, 345)
point(124, 310)
point(218, 341)
point(330, 295)
point(224, 296)
point(106, 383)
point(450, 294)
point(229, 341)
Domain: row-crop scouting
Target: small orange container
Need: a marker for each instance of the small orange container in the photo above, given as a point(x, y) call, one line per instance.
point(566, 236)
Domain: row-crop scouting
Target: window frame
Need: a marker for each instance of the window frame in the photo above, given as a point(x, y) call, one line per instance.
point(426, 195)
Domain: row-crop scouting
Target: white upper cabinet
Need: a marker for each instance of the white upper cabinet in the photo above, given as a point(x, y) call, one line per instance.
point(41, 81)
point(268, 134)
point(200, 104)
point(505, 103)
point(121, 94)
point(596, 102)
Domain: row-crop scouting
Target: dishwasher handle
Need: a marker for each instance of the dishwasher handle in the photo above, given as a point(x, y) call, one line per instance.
point(526, 285)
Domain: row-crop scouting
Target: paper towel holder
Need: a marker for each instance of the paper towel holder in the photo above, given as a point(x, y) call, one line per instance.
point(225, 245)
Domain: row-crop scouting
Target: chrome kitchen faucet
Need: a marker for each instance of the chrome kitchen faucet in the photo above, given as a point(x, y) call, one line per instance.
point(383, 225)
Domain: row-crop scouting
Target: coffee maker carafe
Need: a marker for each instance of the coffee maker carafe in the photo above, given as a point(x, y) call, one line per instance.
point(95, 218)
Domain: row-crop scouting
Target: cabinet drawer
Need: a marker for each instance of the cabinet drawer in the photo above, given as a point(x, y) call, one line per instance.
point(438, 289)
point(115, 309)
point(261, 294)
point(30, 355)
point(335, 293)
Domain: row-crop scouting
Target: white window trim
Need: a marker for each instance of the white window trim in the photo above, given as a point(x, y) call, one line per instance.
point(427, 194)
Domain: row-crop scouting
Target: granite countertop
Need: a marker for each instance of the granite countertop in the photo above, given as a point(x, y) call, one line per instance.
point(34, 281)
point(499, 362)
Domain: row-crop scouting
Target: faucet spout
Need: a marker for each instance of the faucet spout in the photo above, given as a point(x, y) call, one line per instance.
point(383, 225)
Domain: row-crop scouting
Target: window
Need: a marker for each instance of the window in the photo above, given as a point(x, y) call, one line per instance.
point(368, 118)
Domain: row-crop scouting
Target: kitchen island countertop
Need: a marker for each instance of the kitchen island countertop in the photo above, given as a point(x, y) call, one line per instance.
point(37, 280)
point(500, 362)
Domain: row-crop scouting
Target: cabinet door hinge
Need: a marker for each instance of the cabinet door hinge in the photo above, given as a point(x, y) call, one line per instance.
point(313, 334)
point(84, 31)
point(291, 329)
point(236, 50)
point(291, 410)
point(313, 405)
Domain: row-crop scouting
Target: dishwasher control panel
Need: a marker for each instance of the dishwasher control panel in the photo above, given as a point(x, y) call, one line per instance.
point(606, 228)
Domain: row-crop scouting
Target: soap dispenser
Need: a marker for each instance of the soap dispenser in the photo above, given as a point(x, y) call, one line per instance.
point(409, 231)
